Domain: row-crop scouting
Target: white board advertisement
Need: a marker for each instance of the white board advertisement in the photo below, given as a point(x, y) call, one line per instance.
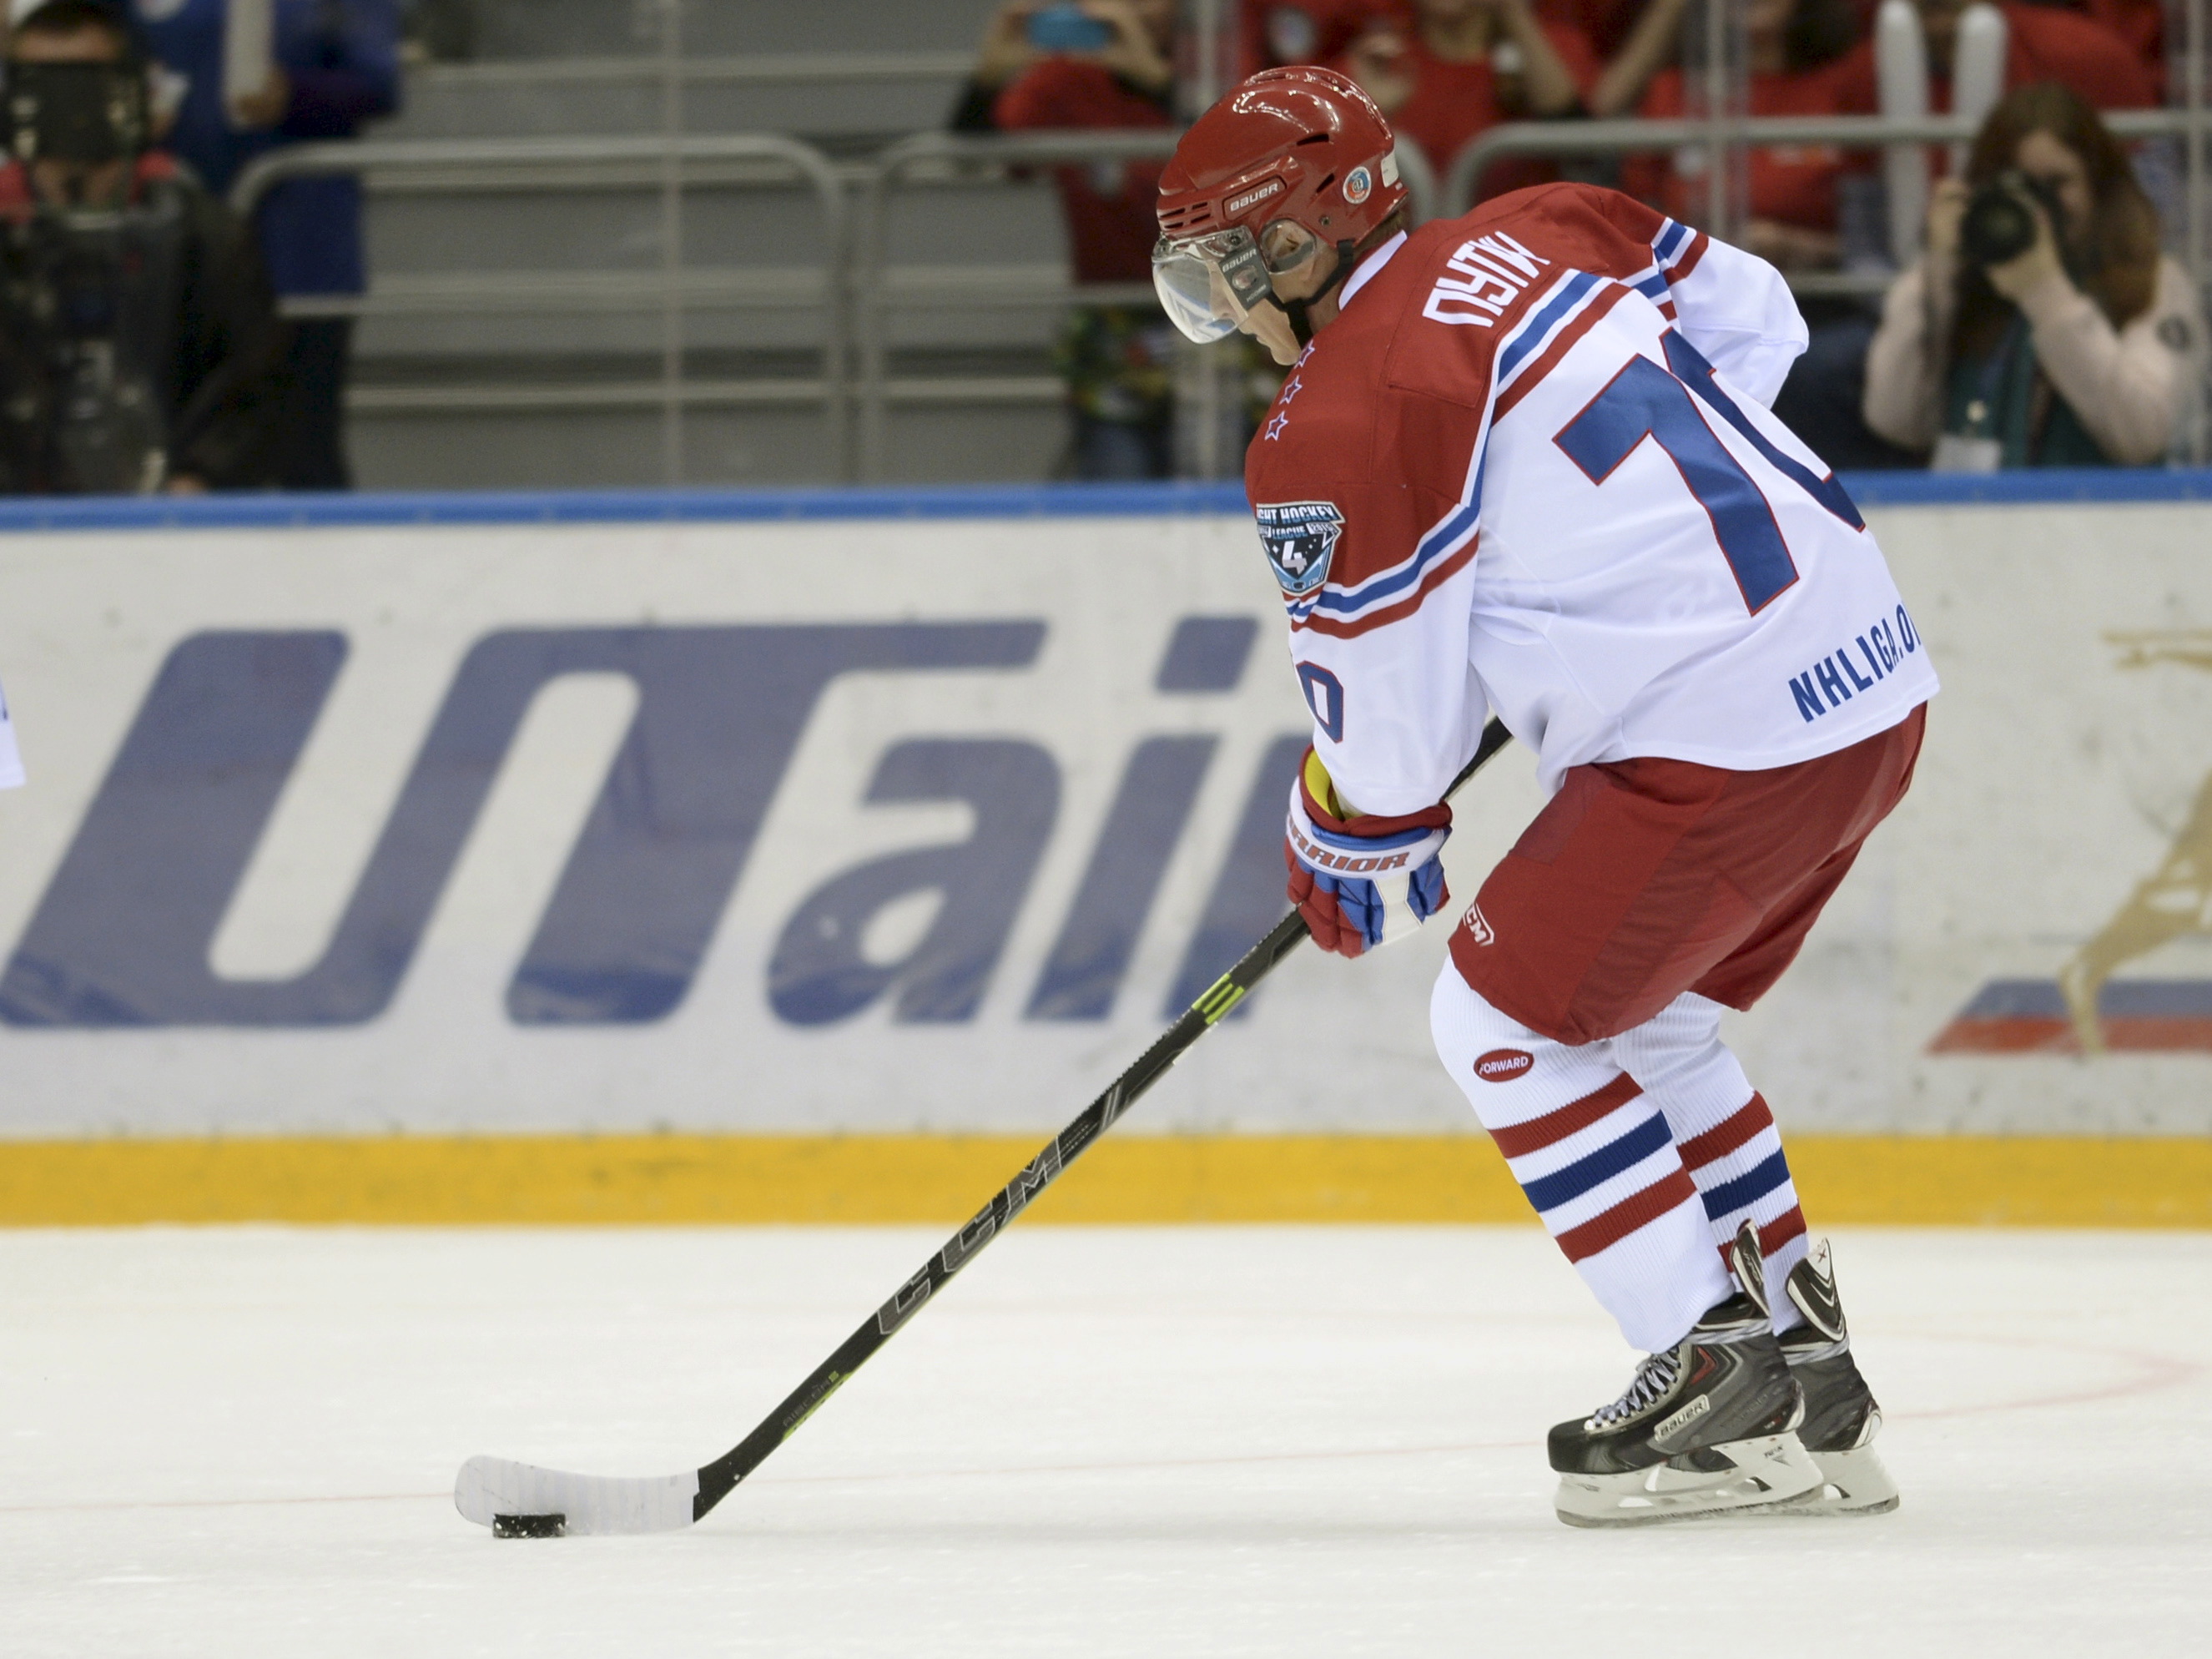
point(885, 823)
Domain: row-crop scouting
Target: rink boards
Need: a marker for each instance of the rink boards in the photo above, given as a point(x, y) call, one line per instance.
point(554, 843)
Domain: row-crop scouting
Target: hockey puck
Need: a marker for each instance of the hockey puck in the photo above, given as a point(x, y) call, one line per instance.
point(529, 1526)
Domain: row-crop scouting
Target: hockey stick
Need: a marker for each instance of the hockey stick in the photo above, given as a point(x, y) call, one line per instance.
point(518, 1500)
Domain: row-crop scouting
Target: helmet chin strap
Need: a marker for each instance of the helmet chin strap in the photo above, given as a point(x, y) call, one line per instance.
point(1296, 310)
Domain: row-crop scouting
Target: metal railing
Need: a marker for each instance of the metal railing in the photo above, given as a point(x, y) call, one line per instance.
point(765, 68)
point(1552, 139)
point(857, 290)
point(741, 160)
point(950, 158)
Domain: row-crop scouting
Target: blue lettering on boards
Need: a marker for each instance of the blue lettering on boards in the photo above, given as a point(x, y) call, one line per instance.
point(1146, 823)
point(121, 937)
point(819, 975)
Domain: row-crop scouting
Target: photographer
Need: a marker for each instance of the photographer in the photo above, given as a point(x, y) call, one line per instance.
point(139, 346)
point(2042, 327)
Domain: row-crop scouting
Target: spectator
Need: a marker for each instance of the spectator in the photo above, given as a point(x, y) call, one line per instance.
point(1005, 54)
point(2042, 44)
point(139, 346)
point(2140, 23)
point(1607, 25)
point(1652, 41)
point(2086, 350)
point(1274, 33)
point(1465, 65)
point(338, 64)
point(1790, 45)
point(1116, 358)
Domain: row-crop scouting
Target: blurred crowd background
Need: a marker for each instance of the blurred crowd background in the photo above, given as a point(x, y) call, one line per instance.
point(424, 243)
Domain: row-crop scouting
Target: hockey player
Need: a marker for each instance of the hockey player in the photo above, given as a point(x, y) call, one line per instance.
point(1523, 463)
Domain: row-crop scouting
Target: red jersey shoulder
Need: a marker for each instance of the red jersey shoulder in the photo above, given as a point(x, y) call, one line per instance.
point(1322, 422)
point(1340, 474)
point(1473, 283)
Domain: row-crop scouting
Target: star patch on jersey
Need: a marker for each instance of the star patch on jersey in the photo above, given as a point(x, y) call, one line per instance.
point(1300, 538)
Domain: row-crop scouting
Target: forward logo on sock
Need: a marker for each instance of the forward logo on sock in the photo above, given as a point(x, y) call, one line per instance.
point(1503, 1065)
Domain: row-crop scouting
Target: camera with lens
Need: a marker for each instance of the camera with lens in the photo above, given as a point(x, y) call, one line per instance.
point(1999, 223)
point(85, 112)
point(89, 293)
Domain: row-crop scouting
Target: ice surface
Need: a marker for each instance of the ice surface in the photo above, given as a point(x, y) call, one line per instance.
point(1293, 1440)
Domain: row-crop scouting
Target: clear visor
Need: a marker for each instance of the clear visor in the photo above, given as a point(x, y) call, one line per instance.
point(1209, 284)
point(1194, 288)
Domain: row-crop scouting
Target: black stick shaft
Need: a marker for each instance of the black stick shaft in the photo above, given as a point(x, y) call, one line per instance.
point(720, 1478)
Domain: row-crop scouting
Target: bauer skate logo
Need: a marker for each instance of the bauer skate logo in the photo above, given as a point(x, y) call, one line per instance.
point(1300, 538)
point(1503, 1065)
point(1477, 926)
point(1682, 1418)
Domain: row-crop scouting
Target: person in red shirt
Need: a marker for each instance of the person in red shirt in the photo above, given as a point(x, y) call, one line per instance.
point(1791, 46)
point(1272, 33)
point(1465, 65)
point(1606, 24)
point(1127, 83)
point(2042, 44)
point(1116, 358)
point(2140, 23)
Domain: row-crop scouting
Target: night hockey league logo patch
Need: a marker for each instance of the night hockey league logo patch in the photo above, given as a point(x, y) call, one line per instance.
point(1300, 538)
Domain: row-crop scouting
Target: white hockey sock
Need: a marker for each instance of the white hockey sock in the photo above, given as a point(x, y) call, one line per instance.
point(1725, 1134)
point(1594, 1156)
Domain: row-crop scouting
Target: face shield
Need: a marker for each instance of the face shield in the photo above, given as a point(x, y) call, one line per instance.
point(1209, 284)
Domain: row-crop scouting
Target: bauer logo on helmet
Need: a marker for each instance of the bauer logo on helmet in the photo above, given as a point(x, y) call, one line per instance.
point(1251, 198)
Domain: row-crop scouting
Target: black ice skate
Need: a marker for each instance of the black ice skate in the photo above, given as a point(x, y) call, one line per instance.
point(1841, 1417)
point(1705, 1428)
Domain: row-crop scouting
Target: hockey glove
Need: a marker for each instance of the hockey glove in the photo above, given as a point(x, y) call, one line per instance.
point(1360, 880)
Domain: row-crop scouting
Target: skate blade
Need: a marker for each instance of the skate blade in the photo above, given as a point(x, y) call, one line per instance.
point(1852, 1483)
point(1766, 1474)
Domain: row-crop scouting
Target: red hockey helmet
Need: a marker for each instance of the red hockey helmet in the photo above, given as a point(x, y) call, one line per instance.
point(1291, 158)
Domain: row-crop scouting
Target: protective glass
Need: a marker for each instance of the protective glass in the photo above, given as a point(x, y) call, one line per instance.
point(1208, 284)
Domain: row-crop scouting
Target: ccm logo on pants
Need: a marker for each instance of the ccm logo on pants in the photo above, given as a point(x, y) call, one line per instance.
point(1503, 1064)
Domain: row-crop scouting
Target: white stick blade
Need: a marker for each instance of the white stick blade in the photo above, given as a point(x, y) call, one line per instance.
point(490, 1486)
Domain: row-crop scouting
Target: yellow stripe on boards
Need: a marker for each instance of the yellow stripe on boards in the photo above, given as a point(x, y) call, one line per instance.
point(943, 1179)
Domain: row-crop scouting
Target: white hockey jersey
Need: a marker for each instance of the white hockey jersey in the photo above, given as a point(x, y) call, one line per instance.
point(1530, 468)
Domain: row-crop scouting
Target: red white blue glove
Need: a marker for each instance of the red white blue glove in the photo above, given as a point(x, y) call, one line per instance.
point(1361, 881)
